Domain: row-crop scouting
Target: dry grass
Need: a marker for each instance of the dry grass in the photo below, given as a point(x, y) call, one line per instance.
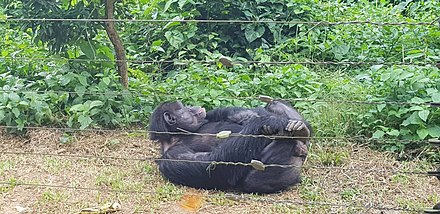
point(152, 194)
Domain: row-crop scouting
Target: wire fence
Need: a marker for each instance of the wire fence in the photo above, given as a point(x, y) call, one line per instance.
point(217, 21)
point(249, 62)
point(219, 134)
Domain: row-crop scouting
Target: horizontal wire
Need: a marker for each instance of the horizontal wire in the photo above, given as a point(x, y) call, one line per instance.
point(124, 93)
point(186, 62)
point(212, 164)
point(74, 187)
point(218, 21)
point(230, 196)
point(272, 137)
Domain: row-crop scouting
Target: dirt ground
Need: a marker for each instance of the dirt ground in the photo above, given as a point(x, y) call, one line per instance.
point(47, 171)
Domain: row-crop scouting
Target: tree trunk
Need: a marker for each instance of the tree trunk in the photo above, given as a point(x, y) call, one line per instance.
point(121, 59)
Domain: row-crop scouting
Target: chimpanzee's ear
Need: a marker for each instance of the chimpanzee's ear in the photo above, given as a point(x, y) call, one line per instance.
point(169, 118)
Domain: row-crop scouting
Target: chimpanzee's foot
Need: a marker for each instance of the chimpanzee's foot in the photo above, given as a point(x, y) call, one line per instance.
point(298, 128)
point(295, 125)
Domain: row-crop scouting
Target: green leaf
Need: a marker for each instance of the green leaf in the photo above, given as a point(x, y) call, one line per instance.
point(416, 108)
point(80, 90)
point(82, 80)
point(253, 32)
point(376, 67)
point(87, 49)
point(106, 51)
point(394, 133)
point(14, 97)
point(424, 115)
point(2, 115)
point(85, 121)
point(298, 11)
point(417, 100)
point(65, 79)
point(175, 38)
point(405, 76)
point(381, 107)
point(422, 133)
point(106, 80)
point(385, 76)
point(412, 119)
point(16, 112)
point(436, 97)
point(157, 43)
point(434, 131)
point(20, 123)
point(182, 3)
point(378, 134)
point(77, 107)
point(96, 103)
point(23, 103)
point(414, 56)
point(168, 4)
point(340, 50)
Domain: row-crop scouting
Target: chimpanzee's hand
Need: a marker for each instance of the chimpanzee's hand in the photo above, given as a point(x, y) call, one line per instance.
point(267, 130)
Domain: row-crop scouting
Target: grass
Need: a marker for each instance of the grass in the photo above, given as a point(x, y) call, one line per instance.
point(49, 196)
point(310, 191)
point(55, 165)
point(5, 166)
point(139, 187)
point(11, 184)
point(329, 157)
point(349, 193)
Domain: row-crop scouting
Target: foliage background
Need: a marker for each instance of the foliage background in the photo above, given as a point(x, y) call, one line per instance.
point(73, 92)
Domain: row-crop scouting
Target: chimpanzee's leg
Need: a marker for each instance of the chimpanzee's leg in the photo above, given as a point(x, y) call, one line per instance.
point(175, 167)
point(245, 149)
point(284, 109)
point(274, 179)
point(281, 152)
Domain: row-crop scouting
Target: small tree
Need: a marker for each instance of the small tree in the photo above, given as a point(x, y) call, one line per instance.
point(59, 35)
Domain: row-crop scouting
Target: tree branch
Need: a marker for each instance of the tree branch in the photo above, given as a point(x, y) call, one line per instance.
point(117, 43)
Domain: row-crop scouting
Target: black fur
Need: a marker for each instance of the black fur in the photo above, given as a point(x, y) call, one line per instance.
point(234, 149)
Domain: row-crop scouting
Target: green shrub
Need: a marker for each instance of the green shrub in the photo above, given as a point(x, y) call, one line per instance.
point(178, 40)
point(66, 98)
point(413, 121)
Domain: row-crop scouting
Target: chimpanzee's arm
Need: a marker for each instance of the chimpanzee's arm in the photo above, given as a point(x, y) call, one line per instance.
point(180, 165)
point(232, 114)
point(183, 152)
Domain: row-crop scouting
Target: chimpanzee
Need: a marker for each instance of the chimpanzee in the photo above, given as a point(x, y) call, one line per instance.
point(277, 118)
point(436, 207)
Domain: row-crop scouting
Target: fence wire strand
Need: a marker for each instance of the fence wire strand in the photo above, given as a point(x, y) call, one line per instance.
point(220, 21)
point(250, 62)
point(272, 137)
point(229, 196)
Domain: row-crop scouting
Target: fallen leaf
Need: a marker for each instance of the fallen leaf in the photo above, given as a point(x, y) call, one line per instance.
point(191, 202)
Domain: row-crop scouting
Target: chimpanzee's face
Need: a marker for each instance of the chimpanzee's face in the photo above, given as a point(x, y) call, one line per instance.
point(185, 117)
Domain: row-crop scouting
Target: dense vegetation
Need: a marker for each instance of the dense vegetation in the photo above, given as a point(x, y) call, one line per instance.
point(47, 78)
